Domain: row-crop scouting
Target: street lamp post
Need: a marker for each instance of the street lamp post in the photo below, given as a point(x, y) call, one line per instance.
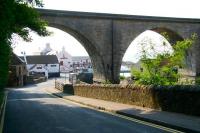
point(65, 77)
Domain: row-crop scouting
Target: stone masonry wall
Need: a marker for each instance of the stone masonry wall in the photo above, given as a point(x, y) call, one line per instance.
point(181, 99)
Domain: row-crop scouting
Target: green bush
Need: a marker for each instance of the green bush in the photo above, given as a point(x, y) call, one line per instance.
point(106, 82)
point(197, 81)
point(162, 69)
point(5, 51)
point(122, 77)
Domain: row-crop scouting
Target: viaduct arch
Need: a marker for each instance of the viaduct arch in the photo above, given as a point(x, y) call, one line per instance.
point(107, 36)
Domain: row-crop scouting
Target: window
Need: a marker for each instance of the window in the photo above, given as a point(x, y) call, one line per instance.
point(39, 67)
point(53, 65)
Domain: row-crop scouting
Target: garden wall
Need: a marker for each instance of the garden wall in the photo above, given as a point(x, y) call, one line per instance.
point(181, 99)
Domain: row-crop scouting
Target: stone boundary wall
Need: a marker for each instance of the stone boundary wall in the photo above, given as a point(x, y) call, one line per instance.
point(116, 93)
point(181, 99)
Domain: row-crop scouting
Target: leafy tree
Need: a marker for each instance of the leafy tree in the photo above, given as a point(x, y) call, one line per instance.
point(19, 17)
point(163, 69)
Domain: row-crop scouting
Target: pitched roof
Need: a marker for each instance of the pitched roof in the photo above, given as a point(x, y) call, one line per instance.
point(75, 58)
point(41, 59)
point(15, 60)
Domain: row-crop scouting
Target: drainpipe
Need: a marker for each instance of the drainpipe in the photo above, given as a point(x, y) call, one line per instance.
point(112, 56)
point(24, 54)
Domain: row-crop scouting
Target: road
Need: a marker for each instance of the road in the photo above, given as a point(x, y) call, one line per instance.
point(32, 110)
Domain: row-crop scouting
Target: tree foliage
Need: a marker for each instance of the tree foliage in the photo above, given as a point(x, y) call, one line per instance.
point(163, 69)
point(19, 17)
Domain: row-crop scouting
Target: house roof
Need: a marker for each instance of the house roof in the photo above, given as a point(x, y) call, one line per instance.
point(78, 58)
point(41, 59)
point(15, 60)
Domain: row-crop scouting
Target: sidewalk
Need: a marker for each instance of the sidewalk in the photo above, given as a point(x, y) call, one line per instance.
point(173, 120)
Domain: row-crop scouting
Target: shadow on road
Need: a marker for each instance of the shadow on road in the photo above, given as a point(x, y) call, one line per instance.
point(30, 110)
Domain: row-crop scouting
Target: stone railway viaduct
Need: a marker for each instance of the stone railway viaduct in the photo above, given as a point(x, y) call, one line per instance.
point(106, 37)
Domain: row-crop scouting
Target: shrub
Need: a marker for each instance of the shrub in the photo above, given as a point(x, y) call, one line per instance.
point(163, 69)
point(122, 77)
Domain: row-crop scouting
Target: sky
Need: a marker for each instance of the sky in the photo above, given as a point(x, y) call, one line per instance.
point(165, 8)
point(170, 8)
point(57, 41)
point(145, 41)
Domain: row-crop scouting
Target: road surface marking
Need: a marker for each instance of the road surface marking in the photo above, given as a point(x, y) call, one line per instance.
point(118, 115)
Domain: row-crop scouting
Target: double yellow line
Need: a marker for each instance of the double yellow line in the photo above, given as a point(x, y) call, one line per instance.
point(121, 116)
point(147, 123)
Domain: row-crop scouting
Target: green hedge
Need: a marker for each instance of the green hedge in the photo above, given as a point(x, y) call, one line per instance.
point(182, 99)
point(5, 51)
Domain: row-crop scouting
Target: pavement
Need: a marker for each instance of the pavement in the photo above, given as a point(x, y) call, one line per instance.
point(177, 121)
point(32, 109)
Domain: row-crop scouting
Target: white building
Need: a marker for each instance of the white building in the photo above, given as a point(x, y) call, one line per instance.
point(65, 60)
point(45, 64)
point(81, 64)
point(69, 63)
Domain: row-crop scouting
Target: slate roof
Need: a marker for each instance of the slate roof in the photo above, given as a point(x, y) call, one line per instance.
point(41, 59)
point(15, 60)
point(78, 58)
